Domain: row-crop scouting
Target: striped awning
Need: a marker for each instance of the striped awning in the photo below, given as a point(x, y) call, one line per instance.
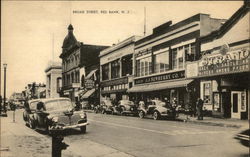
point(88, 93)
point(159, 86)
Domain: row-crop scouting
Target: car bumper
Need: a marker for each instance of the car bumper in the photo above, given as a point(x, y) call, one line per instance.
point(75, 126)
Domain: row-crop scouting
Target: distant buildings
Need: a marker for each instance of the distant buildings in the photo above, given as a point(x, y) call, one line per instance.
point(76, 58)
point(53, 79)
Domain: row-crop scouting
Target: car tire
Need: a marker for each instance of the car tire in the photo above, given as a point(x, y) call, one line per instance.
point(122, 110)
point(103, 111)
point(31, 124)
point(24, 118)
point(141, 114)
point(83, 129)
point(156, 115)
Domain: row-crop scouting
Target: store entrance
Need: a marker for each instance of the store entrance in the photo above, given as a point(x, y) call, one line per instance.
point(236, 103)
point(226, 104)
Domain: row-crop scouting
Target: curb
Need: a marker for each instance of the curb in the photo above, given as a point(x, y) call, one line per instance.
point(211, 123)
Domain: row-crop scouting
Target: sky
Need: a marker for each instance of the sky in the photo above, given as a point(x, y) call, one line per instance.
point(32, 32)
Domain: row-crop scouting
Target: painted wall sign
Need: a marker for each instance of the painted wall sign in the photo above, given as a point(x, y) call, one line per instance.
point(163, 77)
point(115, 82)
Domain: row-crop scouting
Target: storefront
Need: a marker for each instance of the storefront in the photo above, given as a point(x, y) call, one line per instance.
point(224, 83)
point(224, 69)
point(116, 68)
point(172, 85)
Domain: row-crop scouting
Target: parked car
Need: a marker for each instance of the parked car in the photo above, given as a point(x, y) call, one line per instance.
point(54, 113)
point(106, 106)
point(127, 107)
point(244, 137)
point(156, 109)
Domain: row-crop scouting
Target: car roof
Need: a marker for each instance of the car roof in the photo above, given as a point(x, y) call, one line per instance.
point(48, 99)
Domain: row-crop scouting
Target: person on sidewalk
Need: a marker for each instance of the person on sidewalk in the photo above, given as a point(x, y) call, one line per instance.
point(199, 105)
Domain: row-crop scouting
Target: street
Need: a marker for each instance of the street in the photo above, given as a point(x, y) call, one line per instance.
point(125, 136)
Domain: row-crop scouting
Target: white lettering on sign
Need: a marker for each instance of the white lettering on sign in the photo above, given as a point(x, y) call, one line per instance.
point(233, 55)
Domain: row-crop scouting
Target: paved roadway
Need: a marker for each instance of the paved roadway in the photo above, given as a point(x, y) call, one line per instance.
point(125, 136)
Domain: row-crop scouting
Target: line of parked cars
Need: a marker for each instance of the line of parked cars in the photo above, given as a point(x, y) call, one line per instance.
point(155, 109)
point(54, 113)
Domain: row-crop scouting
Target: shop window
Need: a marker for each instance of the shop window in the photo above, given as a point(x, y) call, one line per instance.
point(207, 93)
point(115, 69)
point(174, 59)
point(144, 66)
point(180, 57)
point(127, 65)
point(105, 72)
point(161, 62)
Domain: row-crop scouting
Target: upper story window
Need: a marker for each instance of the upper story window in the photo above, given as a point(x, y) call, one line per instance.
point(161, 62)
point(127, 65)
point(144, 66)
point(115, 69)
point(105, 71)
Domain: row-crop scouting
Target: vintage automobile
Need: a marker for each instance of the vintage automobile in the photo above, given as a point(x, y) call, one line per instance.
point(54, 113)
point(106, 106)
point(244, 137)
point(127, 107)
point(156, 109)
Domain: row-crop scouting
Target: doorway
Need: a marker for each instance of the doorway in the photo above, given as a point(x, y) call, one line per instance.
point(236, 104)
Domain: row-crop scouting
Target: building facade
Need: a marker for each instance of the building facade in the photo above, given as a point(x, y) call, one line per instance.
point(223, 70)
point(160, 60)
point(53, 79)
point(75, 57)
point(116, 69)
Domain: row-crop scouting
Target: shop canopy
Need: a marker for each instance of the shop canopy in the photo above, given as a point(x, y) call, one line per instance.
point(88, 94)
point(90, 74)
point(159, 86)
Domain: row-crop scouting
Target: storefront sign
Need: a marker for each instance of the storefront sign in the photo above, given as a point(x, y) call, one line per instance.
point(114, 82)
point(233, 61)
point(230, 56)
point(89, 84)
point(143, 52)
point(163, 77)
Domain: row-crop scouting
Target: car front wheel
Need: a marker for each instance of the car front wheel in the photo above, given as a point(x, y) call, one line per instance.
point(83, 129)
point(141, 114)
point(31, 124)
point(156, 115)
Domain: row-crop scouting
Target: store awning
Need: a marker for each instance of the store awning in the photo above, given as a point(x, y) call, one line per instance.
point(159, 86)
point(91, 74)
point(88, 94)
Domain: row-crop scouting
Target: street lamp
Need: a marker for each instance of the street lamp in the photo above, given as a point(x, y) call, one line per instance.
point(4, 98)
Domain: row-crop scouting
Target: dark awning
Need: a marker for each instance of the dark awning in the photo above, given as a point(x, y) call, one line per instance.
point(88, 94)
point(159, 86)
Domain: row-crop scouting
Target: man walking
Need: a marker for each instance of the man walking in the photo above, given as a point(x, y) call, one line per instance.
point(199, 105)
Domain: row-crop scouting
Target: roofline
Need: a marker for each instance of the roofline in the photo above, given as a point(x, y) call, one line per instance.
point(120, 45)
point(243, 10)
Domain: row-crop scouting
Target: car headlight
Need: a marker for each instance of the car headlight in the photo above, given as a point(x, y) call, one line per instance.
point(55, 119)
point(83, 115)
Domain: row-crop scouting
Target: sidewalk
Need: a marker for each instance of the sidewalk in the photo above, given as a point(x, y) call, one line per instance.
point(223, 122)
point(235, 123)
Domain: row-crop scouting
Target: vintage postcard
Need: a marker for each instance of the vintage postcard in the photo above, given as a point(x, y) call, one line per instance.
point(125, 78)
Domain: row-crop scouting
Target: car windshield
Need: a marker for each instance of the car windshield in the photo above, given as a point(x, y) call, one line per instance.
point(54, 105)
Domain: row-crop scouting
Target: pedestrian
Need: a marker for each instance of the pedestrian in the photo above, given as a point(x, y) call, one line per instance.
point(199, 105)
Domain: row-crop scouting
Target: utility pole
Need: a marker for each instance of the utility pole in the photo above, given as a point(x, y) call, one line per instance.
point(4, 99)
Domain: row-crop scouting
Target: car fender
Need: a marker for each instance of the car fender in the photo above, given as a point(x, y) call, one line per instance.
point(142, 109)
point(161, 109)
